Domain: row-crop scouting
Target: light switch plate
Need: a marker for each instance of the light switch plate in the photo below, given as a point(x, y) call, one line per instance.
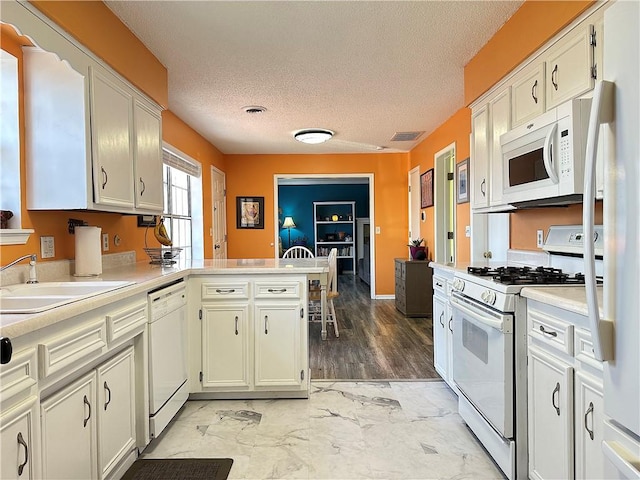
point(47, 247)
point(105, 242)
point(467, 231)
point(377, 230)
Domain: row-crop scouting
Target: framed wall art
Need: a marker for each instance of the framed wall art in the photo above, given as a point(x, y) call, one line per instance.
point(250, 212)
point(462, 181)
point(426, 189)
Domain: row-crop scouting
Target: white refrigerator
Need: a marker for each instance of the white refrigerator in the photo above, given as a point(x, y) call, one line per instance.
point(616, 336)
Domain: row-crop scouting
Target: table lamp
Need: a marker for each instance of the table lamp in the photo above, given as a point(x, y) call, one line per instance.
point(288, 224)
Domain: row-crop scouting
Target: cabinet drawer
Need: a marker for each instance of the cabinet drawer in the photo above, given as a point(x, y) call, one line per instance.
point(440, 285)
point(584, 349)
point(126, 320)
point(400, 269)
point(553, 333)
point(18, 376)
point(225, 290)
point(68, 349)
point(277, 289)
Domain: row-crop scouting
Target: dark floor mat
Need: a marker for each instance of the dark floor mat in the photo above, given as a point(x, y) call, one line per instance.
point(179, 469)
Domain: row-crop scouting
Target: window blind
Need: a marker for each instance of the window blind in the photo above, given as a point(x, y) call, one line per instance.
point(189, 167)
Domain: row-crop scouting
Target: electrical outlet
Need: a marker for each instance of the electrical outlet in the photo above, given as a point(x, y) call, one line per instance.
point(105, 242)
point(467, 231)
point(539, 238)
point(47, 247)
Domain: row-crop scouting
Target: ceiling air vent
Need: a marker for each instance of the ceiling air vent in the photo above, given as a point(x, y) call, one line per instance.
point(406, 136)
point(254, 109)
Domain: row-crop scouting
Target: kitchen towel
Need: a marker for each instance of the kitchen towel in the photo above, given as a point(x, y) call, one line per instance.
point(88, 254)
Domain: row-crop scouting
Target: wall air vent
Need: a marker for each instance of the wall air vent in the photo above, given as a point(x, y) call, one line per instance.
point(406, 136)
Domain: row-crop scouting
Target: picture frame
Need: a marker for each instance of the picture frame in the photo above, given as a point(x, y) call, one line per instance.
point(147, 220)
point(250, 212)
point(426, 189)
point(462, 181)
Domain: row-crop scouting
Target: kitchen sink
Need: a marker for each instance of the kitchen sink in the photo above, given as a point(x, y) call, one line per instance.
point(33, 298)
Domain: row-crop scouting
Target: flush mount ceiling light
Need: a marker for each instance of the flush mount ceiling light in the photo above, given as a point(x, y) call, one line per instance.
point(313, 135)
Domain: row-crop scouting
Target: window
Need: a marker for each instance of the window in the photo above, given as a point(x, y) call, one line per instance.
point(183, 202)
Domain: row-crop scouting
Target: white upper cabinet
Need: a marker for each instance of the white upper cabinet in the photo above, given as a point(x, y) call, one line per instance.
point(568, 66)
point(528, 95)
point(480, 157)
point(500, 115)
point(93, 141)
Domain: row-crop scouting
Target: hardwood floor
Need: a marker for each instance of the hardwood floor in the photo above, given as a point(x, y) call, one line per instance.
point(376, 341)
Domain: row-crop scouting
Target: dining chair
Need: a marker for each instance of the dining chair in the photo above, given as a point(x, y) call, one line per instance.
point(298, 251)
point(332, 292)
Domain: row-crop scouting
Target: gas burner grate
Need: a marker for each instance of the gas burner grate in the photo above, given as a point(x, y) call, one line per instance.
point(528, 275)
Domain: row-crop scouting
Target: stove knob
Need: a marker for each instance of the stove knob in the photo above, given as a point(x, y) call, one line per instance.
point(484, 296)
point(492, 298)
point(458, 284)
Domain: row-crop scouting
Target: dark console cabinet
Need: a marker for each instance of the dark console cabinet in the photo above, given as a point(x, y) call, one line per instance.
point(414, 288)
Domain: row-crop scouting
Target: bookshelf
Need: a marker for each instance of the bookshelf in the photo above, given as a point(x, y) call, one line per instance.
point(334, 227)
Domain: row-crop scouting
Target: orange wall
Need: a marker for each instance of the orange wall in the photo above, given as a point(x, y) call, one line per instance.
point(98, 28)
point(527, 30)
point(252, 175)
point(456, 129)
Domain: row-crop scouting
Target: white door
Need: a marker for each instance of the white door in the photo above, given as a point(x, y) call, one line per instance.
point(225, 345)
point(111, 126)
point(69, 438)
point(17, 435)
point(414, 204)
point(148, 158)
point(278, 348)
point(116, 410)
point(219, 197)
point(550, 416)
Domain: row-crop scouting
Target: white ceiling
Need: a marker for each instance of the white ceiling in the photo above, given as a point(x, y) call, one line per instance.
point(365, 70)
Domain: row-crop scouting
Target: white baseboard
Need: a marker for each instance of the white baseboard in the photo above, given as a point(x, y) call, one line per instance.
point(385, 297)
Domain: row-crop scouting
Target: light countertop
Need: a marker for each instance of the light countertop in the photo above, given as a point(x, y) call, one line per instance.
point(147, 277)
point(570, 298)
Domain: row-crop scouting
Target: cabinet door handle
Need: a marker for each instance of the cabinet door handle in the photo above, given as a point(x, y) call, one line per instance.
point(553, 398)
point(442, 319)
point(438, 284)
point(143, 186)
point(236, 324)
point(104, 176)
point(450, 322)
point(554, 75)
point(86, 402)
point(26, 453)
point(266, 325)
point(547, 332)
point(225, 291)
point(534, 90)
point(483, 187)
point(277, 290)
point(586, 415)
point(106, 387)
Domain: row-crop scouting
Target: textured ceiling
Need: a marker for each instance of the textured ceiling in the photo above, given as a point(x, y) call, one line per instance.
point(365, 70)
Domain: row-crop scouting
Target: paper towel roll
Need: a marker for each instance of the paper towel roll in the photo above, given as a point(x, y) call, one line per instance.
point(88, 254)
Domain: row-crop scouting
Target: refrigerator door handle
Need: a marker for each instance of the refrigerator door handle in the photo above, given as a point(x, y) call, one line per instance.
point(601, 112)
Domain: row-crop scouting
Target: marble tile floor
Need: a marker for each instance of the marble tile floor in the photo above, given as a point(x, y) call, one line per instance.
point(345, 430)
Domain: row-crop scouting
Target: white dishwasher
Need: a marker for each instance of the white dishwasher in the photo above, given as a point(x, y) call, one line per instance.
point(168, 386)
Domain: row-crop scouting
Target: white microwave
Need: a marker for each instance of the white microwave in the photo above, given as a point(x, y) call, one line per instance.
point(543, 160)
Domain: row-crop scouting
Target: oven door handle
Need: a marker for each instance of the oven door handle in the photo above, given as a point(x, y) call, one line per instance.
point(497, 324)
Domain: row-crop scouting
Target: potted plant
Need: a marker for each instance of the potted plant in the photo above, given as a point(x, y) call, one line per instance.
point(415, 247)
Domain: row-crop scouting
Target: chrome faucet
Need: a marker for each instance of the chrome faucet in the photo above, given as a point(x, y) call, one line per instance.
point(32, 266)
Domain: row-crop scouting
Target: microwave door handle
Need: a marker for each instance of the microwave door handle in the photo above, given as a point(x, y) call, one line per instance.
point(601, 112)
point(547, 154)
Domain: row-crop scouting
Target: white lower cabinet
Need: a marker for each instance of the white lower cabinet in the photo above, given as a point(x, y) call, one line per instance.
point(565, 396)
point(89, 425)
point(253, 335)
point(225, 345)
point(69, 436)
point(18, 436)
point(116, 410)
point(443, 325)
point(589, 426)
point(550, 416)
point(277, 344)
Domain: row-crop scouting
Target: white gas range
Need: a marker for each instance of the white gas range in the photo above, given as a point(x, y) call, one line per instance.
point(490, 340)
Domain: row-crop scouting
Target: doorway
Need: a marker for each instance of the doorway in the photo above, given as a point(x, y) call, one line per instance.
point(327, 179)
point(445, 205)
point(414, 204)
